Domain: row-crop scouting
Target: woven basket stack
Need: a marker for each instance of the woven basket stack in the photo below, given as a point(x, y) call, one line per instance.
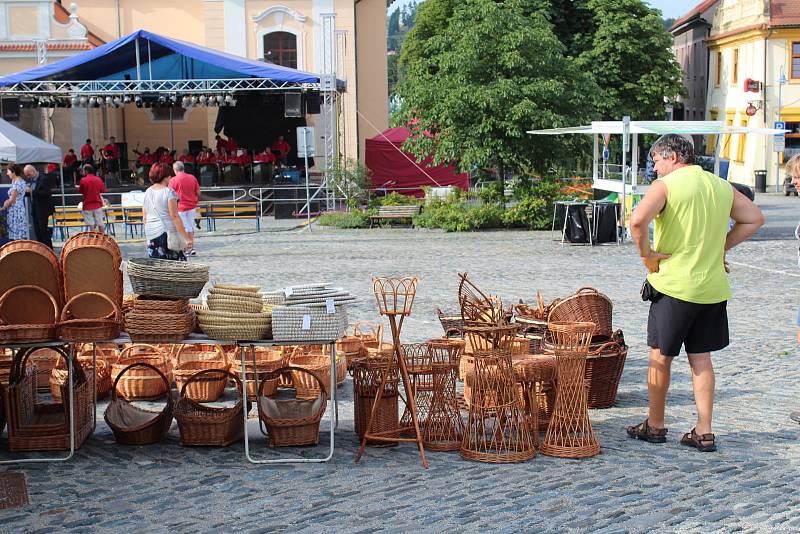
point(312, 312)
point(165, 278)
point(236, 313)
point(153, 320)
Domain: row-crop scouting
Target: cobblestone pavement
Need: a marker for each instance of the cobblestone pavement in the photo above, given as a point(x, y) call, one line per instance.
point(750, 485)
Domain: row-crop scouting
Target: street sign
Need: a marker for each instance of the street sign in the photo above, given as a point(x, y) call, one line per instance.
point(779, 143)
point(305, 142)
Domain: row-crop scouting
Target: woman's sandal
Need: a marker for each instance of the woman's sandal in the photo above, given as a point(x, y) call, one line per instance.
point(647, 433)
point(703, 443)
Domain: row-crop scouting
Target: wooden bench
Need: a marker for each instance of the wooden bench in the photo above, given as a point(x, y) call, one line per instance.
point(65, 218)
point(395, 212)
point(214, 211)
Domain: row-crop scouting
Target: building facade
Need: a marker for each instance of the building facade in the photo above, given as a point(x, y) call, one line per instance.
point(759, 41)
point(285, 32)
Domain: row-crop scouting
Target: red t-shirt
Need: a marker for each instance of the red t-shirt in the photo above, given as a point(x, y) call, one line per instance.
point(232, 145)
point(146, 158)
point(283, 146)
point(87, 151)
point(266, 157)
point(186, 158)
point(113, 150)
point(90, 187)
point(70, 160)
point(188, 190)
point(166, 158)
point(206, 158)
point(244, 159)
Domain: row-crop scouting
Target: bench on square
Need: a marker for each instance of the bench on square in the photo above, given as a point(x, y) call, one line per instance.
point(395, 212)
point(213, 211)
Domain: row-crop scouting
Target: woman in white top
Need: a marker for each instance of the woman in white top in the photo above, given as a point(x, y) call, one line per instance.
point(160, 215)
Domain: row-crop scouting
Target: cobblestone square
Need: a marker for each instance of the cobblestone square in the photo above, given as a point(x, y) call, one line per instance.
point(752, 484)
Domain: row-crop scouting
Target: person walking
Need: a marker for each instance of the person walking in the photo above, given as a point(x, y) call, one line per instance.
point(687, 284)
point(17, 217)
point(793, 171)
point(92, 187)
point(160, 215)
point(188, 189)
point(41, 205)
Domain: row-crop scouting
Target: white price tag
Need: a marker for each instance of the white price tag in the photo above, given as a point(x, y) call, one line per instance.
point(122, 266)
point(306, 322)
point(288, 291)
point(329, 306)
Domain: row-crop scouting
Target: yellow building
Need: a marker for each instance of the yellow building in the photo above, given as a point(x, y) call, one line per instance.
point(285, 32)
point(756, 40)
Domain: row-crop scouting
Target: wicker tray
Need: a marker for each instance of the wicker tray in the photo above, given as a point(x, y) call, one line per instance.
point(164, 278)
point(31, 263)
point(287, 323)
point(28, 314)
point(235, 326)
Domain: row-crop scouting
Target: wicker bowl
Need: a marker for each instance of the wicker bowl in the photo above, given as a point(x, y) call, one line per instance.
point(164, 278)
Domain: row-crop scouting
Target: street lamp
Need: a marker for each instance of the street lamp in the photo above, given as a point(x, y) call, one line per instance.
point(781, 82)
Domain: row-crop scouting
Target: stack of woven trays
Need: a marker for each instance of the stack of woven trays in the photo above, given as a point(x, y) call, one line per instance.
point(159, 320)
point(311, 312)
point(236, 313)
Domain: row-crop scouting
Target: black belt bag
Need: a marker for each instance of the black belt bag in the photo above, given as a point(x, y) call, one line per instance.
point(650, 293)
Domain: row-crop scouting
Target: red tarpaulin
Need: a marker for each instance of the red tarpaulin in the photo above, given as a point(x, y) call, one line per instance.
point(392, 169)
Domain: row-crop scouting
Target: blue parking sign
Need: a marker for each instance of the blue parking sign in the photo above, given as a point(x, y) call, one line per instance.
point(780, 125)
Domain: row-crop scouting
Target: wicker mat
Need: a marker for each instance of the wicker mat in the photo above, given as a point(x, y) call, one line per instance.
point(13, 490)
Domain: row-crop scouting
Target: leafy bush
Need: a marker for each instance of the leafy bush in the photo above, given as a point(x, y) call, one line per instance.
point(340, 219)
point(531, 213)
point(395, 199)
point(456, 216)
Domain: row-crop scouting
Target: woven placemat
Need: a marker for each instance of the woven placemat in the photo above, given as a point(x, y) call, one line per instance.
point(13, 490)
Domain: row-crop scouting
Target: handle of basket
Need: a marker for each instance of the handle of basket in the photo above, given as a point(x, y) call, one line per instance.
point(218, 349)
point(586, 289)
point(117, 312)
point(599, 350)
point(37, 288)
point(21, 361)
point(148, 366)
point(195, 377)
point(158, 350)
point(277, 373)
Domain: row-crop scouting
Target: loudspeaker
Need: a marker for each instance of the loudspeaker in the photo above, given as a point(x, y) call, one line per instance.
point(313, 103)
point(292, 105)
point(9, 109)
point(123, 155)
point(195, 146)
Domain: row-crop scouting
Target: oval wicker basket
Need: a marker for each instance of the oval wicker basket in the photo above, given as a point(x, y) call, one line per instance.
point(318, 368)
point(32, 304)
point(101, 328)
point(293, 422)
point(25, 262)
point(101, 376)
point(132, 425)
point(267, 360)
point(165, 278)
point(201, 425)
point(141, 383)
point(586, 305)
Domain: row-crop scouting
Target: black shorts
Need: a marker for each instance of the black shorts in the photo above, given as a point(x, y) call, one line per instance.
point(698, 327)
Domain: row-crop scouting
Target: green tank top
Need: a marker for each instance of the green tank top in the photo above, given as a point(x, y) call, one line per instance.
point(692, 228)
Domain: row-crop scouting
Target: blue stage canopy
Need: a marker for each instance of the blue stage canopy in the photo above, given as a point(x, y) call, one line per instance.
point(160, 58)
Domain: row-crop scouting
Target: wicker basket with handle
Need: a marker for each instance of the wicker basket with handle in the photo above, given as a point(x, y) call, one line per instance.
point(132, 425)
point(586, 305)
point(90, 261)
point(292, 422)
point(202, 425)
point(208, 388)
point(141, 383)
point(28, 314)
point(102, 328)
point(25, 262)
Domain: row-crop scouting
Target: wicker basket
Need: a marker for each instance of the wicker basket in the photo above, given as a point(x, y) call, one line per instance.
point(165, 278)
point(100, 376)
point(367, 373)
point(198, 353)
point(103, 328)
point(160, 305)
point(288, 322)
point(235, 326)
point(155, 328)
point(208, 388)
point(292, 422)
point(267, 360)
point(315, 364)
point(201, 425)
point(45, 427)
point(30, 263)
point(452, 323)
point(90, 262)
point(43, 360)
point(28, 314)
point(604, 367)
point(141, 383)
point(132, 425)
point(235, 304)
point(586, 305)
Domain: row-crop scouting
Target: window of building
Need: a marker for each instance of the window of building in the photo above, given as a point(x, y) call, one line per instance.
point(280, 48)
point(718, 74)
point(735, 69)
point(741, 142)
point(796, 60)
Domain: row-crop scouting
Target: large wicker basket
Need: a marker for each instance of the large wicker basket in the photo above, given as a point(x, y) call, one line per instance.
point(210, 386)
point(102, 328)
point(267, 360)
point(100, 375)
point(367, 373)
point(30, 263)
point(316, 370)
point(164, 278)
point(586, 305)
point(90, 262)
point(141, 383)
point(292, 422)
point(132, 425)
point(299, 323)
point(28, 314)
point(202, 425)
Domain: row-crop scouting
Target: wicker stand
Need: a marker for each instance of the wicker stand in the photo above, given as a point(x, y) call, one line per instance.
point(444, 428)
point(535, 374)
point(395, 298)
point(418, 362)
point(497, 429)
point(570, 432)
point(367, 375)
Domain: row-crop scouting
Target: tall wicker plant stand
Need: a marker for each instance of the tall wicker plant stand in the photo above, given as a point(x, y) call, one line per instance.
point(497, 429)
point(535, 374)
point(444, 428)
point(570, 433)
point(418, 362)
point(367, 375)
point(395, 298)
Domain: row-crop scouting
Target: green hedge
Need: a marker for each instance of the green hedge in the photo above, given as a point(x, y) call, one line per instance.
point(341, 219)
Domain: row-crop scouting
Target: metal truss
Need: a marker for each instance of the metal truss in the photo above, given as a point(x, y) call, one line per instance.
point(133, 87)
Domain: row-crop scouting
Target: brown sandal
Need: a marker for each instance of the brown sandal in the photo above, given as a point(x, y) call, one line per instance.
point(645, 432)
point(703, 443)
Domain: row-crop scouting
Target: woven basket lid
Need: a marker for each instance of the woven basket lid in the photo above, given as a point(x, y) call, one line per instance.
point(30, 263)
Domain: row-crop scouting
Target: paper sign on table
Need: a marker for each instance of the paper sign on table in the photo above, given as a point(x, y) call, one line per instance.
point(306, 322)
point(329, 306)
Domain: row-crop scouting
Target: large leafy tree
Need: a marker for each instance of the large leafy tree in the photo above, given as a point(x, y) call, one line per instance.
point(482, 72)
point(630, 58)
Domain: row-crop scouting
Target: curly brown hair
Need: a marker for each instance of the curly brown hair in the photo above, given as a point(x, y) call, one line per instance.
point(158, 172)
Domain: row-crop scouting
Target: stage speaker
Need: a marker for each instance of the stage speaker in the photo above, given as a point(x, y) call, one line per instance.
point(9, 109)
point(123, 155)
point(195, 146)
point(292, 105)
point(313, 103)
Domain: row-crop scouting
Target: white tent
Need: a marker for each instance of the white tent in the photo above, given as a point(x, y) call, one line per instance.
point(18, 146)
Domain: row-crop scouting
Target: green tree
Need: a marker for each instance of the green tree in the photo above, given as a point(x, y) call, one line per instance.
point(482, 72)
point(631, 59)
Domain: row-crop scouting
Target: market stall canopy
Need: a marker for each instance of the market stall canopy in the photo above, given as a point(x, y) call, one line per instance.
point(18, 146)
point(395, 170)
point(159, 58)
point(659, 128)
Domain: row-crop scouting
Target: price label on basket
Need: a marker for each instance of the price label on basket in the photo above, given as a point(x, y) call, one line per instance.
point(329, 306)
point(306, 322)
point(288, 291)
point(122, 266)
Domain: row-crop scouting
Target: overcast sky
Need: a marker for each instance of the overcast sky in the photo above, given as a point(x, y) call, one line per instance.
point(670, 8)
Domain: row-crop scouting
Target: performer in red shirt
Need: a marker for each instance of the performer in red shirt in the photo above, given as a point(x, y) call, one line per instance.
point(87, 152)
point(70, 164)
point(283, 147)
point(265, 157)
point(206, 157)
point(70, 158)
point(145, 158)
point(244, 158)
point(167, 157)
point(111, 150)
point(233, 146)
point(186, 156)
point(230, 157)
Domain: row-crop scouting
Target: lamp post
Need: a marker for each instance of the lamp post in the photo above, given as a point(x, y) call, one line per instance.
point(781, 83)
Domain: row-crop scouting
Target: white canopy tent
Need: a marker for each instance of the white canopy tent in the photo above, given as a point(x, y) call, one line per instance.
point(18, 146)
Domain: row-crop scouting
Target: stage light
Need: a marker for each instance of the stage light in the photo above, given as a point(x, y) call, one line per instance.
point(75, 101)
point(220, 99)
point(109, 101)
point(162, 99)
point(83, 101)
point(202, 99)
point(92, 101)
point(186, 102)
point(233, 102)
point(173, 98)
point(193, 100)
point(228, 99)
point(126, 99)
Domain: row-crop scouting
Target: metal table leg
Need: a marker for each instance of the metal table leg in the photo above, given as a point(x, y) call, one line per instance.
point(71, 425)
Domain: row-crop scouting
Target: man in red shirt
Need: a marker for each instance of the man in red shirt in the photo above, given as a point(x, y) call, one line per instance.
point(91, 187)
point(283, 147)
point(70, 164)
point(244, 159)
point(87, 152)
point(167, 157)
point(265, 157)
point(110, 155)
point(145, 158)
point(207, 157)
point(188, 190)
point(186, 156)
